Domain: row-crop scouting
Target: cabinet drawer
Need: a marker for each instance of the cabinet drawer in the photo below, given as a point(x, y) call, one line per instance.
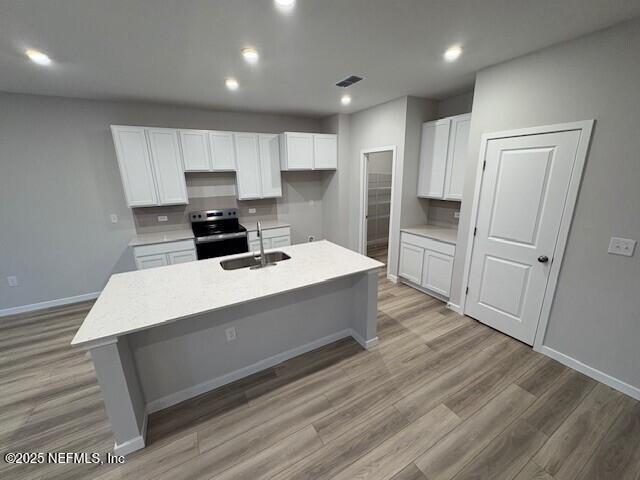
point(164, 248)
point(151, 261)
point(428, 243)
point(278, 242)
point(271, 233)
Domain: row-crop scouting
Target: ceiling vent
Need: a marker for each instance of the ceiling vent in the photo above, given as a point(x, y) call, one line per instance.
point(350, 80)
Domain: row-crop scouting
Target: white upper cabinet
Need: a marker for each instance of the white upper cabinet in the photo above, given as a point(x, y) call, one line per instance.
point(443, 154)
point(134, 162)
point(296, 151)
point(269, 150)
point(325, 152)
point(433, 158)
point(167, 166)
point(150, 165)
point(195, 150)
point(457, 157)
point(308, 151)
point(248, 166)
point(223, 153)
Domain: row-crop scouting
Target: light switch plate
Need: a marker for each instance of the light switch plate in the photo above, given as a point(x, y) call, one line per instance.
point(163, 218)
point(622, 246)
point(252, 210)
point(114, 218)
point(12, 281)
point(456, 214)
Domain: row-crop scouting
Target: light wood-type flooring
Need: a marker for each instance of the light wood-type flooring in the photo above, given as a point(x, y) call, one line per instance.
point(441, 397)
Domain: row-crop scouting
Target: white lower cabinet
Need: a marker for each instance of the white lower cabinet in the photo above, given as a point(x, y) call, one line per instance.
point(427, 263)
point(161, 254)
point(411, 262)
point(271, 238)
point(436, 272)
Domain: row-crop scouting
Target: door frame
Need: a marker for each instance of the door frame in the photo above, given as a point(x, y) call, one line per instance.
point(362, 221)
point(586, 129)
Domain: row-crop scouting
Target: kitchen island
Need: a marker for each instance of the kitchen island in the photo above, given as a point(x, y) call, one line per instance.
point(160, 336)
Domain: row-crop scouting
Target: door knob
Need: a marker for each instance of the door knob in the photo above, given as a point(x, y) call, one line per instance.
point(543, 259)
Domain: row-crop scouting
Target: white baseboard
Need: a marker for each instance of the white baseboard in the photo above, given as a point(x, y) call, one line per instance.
point(596, 374)
point(48, 304)
point(455, 308)
point(392, 278)
point(182, 395)
point(134, 444)
point(366, 344)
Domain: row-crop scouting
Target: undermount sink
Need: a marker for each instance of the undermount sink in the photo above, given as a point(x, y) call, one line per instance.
point(251, 261)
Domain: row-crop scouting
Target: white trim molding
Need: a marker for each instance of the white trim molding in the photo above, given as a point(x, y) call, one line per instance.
point(362, 232)
point(134, 444)
point(49, 304)
point(454, 307)
point(594, 373)
point(586, 128)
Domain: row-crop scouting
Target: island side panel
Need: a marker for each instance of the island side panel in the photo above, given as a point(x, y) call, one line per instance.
point(186, 358)
point(365, 318)
point(123, 398)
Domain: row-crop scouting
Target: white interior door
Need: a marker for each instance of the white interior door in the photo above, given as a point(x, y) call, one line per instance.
point(522, 199)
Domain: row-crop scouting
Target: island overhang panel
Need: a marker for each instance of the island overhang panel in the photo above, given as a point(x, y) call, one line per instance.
point(153, 350)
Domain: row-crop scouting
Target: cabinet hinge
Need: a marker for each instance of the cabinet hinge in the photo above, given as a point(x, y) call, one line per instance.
point(484, 165)
point(467, 291)
point(475, 231)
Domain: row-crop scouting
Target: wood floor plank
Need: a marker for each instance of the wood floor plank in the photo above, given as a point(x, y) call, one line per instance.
point(618, 455)
point(574, 442)
point(538, 379)
point(395, 453)
point(220, 456)
point(533, 471)
point(506, 455)
point(410, 472)
point(328, 461)
point(271, 461)
point(455, 450)
point(555, 405)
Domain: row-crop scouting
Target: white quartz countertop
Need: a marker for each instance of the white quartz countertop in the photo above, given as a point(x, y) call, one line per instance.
point(443, 234)
point(143, 299)
point(266, 225)
point(160, 237)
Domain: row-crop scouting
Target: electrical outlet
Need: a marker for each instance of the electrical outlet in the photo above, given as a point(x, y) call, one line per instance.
point(163, 218)
point(231, 334)
point(456, 214)
point(252, 210)
point(114, 218)
point(622, 246)
point(311, 238)
point(12, 281)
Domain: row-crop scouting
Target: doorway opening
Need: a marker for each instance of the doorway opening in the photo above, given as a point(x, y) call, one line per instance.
point(378, 175)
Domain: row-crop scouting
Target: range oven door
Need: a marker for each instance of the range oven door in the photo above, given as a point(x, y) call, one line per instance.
point(221, 245)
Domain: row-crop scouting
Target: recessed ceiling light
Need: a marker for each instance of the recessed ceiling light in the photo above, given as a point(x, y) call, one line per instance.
point(250, 55)
point(38, 57)
point(453, 53)
point(345, 99)
point(285, 4)
point(231, 83)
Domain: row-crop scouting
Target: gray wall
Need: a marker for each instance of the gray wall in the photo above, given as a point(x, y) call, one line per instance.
point(595, 314)
point(455, 105)
point(335, 185)
point(59, 182)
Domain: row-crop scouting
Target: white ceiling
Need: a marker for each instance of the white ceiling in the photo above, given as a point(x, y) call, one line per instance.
point(179, 51)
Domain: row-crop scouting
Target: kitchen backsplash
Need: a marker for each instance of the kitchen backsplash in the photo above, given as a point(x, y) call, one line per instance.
point(441, 212)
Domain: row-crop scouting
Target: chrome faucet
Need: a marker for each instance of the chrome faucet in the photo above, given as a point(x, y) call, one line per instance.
point(263, 258)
